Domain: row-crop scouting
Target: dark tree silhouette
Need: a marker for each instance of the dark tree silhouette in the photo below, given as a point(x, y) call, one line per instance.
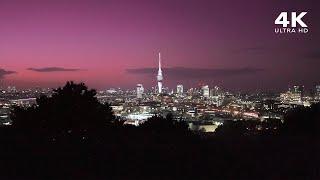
point(303, 121)
point(233, 129)
point(167, 124)
point(165, 130)
point(72, 109)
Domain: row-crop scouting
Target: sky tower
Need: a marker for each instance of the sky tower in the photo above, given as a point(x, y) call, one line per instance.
point(159, 76)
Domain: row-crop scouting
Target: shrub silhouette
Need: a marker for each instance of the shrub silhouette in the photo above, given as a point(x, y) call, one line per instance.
point(233, 129)
point(165, 125)
point(303, 121)
point(72, 109)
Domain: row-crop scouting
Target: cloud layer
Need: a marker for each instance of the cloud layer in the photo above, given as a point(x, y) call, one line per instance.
point(183, 72)
point(52, 69)
point(4, 72)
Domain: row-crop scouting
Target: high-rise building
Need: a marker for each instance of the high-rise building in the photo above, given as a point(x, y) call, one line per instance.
point(159, 76)
point(215, 91)
point(318, 92)
point(11, 89)
point(298, 90)
point(290, 97)
point(205, 91)
point(140, 91)
point(294, 95)
point(180, 89)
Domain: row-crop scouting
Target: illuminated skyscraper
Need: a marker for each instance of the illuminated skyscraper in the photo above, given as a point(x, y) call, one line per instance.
point(318, 92)
point(294, 95)
point(298, 90)
point(180, 89)
point(159, 76)
point(140, 90)
point(215, 91)
point(205, 91)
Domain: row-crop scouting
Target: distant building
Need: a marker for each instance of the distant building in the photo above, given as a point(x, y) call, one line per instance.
point(207, 127)
point(205, 91)
point(215, 91)
point(180, 89)
point(297, 90)
point(11, 89)
point(140, 91)
point(293, 95)
point(318, 92)
point(111, 91)
point(289, 97)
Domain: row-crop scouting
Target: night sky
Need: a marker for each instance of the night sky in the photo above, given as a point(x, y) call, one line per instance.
point(115, 43)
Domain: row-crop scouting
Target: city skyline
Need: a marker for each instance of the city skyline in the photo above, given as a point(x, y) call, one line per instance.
point(113, 44)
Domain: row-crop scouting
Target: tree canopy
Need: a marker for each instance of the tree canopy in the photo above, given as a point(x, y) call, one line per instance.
point(71, 109)
point(303, 121)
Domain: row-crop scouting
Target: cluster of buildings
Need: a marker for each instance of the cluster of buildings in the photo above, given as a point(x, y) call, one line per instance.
point(296, 95)
point(204, 107)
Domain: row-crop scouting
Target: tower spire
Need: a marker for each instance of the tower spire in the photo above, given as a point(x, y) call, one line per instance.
point(159, 61)
point(159, 76)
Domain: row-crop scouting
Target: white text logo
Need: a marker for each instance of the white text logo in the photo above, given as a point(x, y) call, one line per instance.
point(291, 26)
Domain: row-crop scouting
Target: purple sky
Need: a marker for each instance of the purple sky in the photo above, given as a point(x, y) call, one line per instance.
point(115, 43)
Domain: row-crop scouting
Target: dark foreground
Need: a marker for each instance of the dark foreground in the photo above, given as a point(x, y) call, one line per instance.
point(133, 155)
point(71, 135)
